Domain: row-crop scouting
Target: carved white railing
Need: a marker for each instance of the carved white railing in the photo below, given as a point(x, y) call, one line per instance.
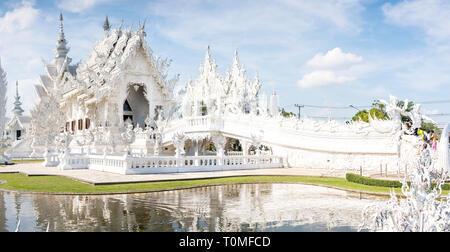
point(235, 153)
point(51, 159)
point(162, 164)
point(73, 162)
point(115, 164)
point(204, 123)
point(150, 165)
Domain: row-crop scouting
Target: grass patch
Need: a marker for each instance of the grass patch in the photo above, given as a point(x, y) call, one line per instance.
point(28, 161)
point(55, 184)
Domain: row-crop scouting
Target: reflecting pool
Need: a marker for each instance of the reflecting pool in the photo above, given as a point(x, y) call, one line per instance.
point(227, 208)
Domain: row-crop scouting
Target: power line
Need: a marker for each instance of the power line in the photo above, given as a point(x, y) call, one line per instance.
point(348, 107)
point(441, 114)
point(331, 107)
point(434, 102)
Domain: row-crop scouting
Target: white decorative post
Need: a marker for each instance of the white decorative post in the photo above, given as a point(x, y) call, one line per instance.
point(128, 136)
point(179, 141)
point(219, 142)
point(64, 140)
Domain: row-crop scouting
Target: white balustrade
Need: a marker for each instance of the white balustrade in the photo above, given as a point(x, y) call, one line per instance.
point(51, 159)
point(235, 153)
point(161, 164)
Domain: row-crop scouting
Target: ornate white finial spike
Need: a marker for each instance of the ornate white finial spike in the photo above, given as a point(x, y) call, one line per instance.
point(208, 53)
point(18, 111)
point(106, 25)
point(236, 58)
point(61, 49)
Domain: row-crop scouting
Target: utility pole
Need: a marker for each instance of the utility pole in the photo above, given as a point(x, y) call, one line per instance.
point(299, 109)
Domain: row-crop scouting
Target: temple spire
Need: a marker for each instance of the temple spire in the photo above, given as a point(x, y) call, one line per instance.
point(106, 25)
point(18, 111)
point(61, 46)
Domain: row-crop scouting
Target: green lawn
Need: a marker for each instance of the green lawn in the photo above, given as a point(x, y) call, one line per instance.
point(28, 161)
point(57, 184)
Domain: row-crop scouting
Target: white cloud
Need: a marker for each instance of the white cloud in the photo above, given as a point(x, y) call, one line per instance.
point(282, 22)
point(433, 16)
point(323, 78)
point(334, 59)
point(78, 6)
point(19, 19)
point(340, 13)
point(333, 68)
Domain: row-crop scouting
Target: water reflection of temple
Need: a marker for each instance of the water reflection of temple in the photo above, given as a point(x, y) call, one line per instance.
point(257, 207)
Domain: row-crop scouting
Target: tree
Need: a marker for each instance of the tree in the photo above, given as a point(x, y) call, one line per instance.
point(47, 120)
point(286, 114)
point(378, 111)
point(409, 108)
point(431, 126)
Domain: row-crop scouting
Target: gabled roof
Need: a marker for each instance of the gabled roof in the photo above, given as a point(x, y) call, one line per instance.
point(107, 60)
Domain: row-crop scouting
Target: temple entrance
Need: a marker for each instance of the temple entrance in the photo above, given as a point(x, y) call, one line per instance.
point(136, 105)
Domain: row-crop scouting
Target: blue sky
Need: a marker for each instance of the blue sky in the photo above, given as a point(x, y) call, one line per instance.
point(327, 52)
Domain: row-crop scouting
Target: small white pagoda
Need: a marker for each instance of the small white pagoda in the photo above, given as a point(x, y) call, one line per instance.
point(18, 129)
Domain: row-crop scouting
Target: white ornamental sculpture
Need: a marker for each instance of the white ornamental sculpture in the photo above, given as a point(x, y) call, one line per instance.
point(421, 209)
point(4, 141)
point(417, 117)
point(86, 139)
point(128, 136)
point(395, 112)
point(263, 108)
point(273, 105)
point(179, 140)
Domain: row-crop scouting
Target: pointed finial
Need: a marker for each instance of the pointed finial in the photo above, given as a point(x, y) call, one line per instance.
point(106, 25)
point(18, 111)
point(208, 52)
point(236, 58)
point(61, 49)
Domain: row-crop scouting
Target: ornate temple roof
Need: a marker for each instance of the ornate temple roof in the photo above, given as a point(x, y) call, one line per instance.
point(109, 57)
point(104, 64)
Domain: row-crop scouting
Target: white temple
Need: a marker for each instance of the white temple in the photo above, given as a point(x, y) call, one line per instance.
point(117, 111)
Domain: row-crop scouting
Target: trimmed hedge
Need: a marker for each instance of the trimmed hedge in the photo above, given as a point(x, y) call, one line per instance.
point(372, 182)
point(350, 177)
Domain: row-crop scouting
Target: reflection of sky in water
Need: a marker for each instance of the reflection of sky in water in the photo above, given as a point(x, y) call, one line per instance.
point(260, 207)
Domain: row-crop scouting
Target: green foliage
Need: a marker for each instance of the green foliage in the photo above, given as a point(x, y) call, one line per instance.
point(378, 111)
point(287, 114)
point(350, 177)
point(372, 182)
point(431, 126)
point(363, 115)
